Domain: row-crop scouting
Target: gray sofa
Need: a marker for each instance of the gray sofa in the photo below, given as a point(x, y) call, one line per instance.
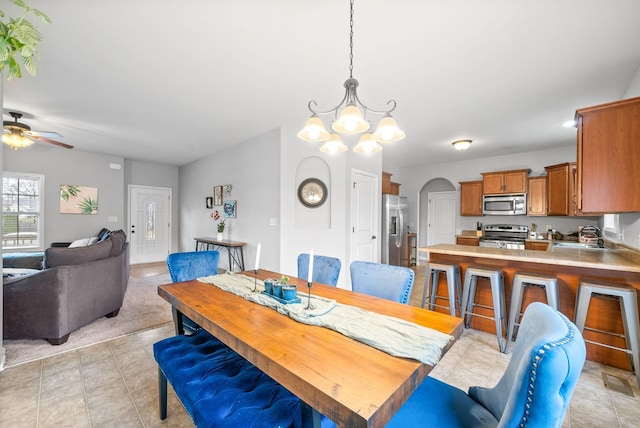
point(75, 287)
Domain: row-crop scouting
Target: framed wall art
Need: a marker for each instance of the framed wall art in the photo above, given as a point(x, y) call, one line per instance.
point(209, 202)
point(217, 195)
point(230, 209)
point(76, 199)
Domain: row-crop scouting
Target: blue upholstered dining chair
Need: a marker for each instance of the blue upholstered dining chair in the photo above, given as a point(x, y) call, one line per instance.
point(534, 391)
point(325, 269)
point(380, 280)
point(192, 265)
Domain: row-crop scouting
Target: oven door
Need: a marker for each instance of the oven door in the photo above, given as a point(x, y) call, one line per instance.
point(489, 243)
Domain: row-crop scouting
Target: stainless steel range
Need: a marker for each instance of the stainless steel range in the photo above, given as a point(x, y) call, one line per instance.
point(511, 236)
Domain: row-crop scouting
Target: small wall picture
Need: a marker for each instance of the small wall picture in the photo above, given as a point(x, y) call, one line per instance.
point(209, 202)
point(76, 199)
point(229, 209)
point(227, 190)
point(217, 195)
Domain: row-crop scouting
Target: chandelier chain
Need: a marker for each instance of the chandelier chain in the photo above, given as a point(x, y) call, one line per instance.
point(351, 42)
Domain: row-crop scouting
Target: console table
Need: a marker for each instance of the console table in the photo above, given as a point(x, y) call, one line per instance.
point(234, 250)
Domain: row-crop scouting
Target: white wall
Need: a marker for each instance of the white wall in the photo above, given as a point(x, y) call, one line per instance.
point(62, 166)
point(253, 170)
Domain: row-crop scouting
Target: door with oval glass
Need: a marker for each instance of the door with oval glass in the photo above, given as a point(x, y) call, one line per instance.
point(149, 223)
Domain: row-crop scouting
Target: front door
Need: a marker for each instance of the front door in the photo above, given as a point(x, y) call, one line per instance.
point(149, 223)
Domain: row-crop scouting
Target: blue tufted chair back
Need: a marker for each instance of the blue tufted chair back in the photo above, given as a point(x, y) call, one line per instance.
point(325, 269)
point(192, 265)
point(380, 280)
point(545, 365)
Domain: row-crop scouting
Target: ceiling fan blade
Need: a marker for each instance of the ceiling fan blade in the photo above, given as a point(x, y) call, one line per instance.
point(47, 140)
point(45, 134)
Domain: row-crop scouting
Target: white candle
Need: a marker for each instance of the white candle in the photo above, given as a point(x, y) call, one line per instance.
point(258, 255)
point(310, 279)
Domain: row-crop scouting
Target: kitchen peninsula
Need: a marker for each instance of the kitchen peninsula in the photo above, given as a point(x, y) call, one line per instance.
point(569, 265)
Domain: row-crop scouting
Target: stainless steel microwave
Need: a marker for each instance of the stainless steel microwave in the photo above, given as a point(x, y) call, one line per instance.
point(508, 204)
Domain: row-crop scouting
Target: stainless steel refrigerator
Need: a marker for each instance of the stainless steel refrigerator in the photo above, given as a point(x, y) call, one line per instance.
point(394, 230)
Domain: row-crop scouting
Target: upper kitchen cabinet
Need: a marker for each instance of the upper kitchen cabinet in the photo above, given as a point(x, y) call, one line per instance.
point(608, 162)
point(505, 181)
point(471, 198)
point(537, 196)
point(561, 195)
point(388, 186)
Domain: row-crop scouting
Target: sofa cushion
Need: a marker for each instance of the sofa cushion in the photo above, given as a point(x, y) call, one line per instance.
point(72, 256)
point(118, 238)
point(104, 232)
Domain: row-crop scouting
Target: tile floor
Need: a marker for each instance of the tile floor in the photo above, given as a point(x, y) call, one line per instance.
point(114, 384)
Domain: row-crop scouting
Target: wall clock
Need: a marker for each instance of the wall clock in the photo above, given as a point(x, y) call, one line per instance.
point(312, 192)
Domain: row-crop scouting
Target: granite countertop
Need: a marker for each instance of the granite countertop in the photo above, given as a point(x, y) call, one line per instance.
point(620, 259)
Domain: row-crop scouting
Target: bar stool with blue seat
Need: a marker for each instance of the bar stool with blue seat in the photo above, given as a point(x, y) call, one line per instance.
point(326, 270)
point(452, 271)
point(495, 277)
point(626, 296)
point(191, 265)
point(381, 280)
point(534, 391)
point(521, 280)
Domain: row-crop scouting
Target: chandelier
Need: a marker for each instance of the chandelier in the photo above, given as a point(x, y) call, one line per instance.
point(350, 118)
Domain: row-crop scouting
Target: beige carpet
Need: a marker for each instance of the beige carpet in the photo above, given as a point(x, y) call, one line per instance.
point(142, 309)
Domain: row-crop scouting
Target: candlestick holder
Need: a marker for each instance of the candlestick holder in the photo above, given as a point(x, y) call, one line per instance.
point(309, 296)
point(255, 280)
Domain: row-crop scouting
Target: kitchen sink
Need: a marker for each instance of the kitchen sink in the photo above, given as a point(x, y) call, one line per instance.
point(578, 245)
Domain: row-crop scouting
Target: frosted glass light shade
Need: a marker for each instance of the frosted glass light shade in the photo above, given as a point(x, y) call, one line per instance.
point(333, 145)
point(367, 145)
point(350, 121)
point(388, 131)
point(461, 144)
point(16, 141)
point(314, 130)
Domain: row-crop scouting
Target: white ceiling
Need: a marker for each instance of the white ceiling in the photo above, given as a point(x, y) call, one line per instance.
point(173, 81)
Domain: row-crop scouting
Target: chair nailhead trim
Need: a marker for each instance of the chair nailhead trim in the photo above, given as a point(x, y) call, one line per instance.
point(540, 353)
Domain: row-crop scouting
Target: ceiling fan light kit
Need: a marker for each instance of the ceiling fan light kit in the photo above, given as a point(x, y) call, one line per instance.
point(350, 118)
point(17, 135)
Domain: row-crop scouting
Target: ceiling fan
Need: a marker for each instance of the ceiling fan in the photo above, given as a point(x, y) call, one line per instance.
point(18, 135)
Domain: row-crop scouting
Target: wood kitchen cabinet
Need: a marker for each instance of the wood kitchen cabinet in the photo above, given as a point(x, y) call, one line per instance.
point(535, 245)
point(505, 181)
point(395, 188)
point(468, 240)
point(537, 196)
point(471, 198)
point(561, 195)
point(608, 161)
point(386, 183)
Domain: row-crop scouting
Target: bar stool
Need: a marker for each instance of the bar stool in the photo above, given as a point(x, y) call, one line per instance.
point(626, 295)
point(452, 270)
point(525, 279)
point(495, 277)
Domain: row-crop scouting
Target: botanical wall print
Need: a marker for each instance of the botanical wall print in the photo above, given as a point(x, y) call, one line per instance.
point(217, 195)
point(229, 209)
point(227, 190)
point(78, 199)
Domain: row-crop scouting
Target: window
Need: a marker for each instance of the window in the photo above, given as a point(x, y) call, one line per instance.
point(22, 211)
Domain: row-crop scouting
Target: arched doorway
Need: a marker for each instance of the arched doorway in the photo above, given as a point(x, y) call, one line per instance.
point(437, 213)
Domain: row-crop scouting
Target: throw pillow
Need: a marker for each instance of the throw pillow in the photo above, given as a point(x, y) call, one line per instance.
point(79, 243)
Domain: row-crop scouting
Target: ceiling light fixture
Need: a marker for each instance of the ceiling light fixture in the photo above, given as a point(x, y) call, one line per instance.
point(461, 144)
point(350, 118)
point(16, 140)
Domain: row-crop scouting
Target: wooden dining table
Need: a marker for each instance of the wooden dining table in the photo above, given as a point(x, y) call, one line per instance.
point(350, 382)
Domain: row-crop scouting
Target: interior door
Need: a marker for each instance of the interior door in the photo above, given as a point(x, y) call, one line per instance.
point(441, 212)
point(149, 223)
point(364, 216)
